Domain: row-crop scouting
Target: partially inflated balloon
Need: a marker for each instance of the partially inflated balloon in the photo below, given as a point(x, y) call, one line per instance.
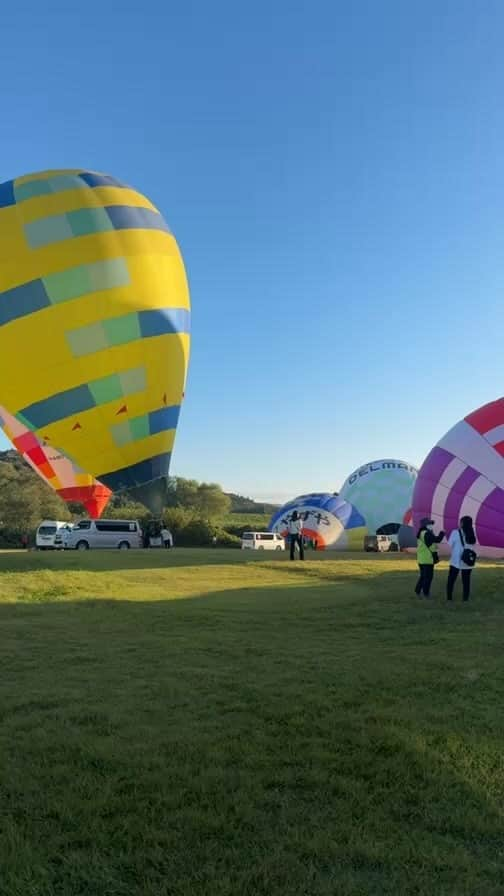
point(464, 476)
point(382, 490)
point(58, 471)
point(327, 520)
point(94, 325)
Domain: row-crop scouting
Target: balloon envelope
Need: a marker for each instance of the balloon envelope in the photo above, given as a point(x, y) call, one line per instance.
point(464, 476)
point(94, 325)
point(55, 469)
point(327, 519)
point(382, 491)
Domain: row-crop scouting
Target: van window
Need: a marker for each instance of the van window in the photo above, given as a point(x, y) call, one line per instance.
point(249, 536)
point(83, 524)
point(47, 530)
point(115, 526)
point(265, 536)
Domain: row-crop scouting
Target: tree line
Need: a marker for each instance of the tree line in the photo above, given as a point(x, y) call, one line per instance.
point(196, 512)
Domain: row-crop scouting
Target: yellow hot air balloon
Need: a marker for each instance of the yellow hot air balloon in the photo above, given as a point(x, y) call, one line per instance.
point(94, 325)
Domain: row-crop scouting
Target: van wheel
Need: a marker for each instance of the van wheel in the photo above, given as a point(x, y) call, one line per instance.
point(261, 547)
point(82, 546)
point(278, 548)
point(124, 546)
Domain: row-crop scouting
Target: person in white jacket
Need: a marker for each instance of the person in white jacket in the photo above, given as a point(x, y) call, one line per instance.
point(459, 540)
point(167, 537)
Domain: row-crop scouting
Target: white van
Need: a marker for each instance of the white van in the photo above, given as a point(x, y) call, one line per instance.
point(262, 541)
point(387, 543)
point(48, 536)
point(122, 534)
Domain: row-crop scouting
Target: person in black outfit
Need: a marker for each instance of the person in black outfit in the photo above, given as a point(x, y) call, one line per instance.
point(426, 556)
point(295, 529)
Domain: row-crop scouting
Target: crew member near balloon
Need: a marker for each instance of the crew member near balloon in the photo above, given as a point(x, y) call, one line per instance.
point(427, 556)
point(295, 529)
point(463, 557)
point(167, 537)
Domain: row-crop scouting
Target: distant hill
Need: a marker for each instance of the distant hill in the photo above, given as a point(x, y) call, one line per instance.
point(239, 504)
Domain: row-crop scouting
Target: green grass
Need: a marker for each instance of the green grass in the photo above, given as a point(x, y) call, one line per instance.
point(217, 724)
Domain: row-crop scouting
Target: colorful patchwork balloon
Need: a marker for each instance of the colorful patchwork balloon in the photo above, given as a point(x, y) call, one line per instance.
point(382, 491)
point(464, 476)
point(327, 519)
point(94, 325)
point(55, 469)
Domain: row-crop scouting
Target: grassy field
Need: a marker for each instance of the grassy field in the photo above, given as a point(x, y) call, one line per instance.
point(204, 722)
point(251, 522)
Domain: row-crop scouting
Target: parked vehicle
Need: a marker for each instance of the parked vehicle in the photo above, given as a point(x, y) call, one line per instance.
point(262, 541)
point(380, 543)
point(121, 534)
point(387, 543)
point(49, 535)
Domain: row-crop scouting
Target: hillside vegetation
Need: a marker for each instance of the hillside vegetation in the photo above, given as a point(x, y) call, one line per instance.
point(197, 512)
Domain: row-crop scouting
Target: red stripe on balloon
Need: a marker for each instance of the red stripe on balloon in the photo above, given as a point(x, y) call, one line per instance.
point(487, 417)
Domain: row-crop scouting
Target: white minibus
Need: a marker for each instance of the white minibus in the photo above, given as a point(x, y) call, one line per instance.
point(49, 535)
point(122, 534)
point(262, 541)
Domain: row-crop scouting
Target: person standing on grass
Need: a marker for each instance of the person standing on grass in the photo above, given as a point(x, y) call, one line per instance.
point(295, 529)
point(427, 556)
point(463, 557)
point(166, 537)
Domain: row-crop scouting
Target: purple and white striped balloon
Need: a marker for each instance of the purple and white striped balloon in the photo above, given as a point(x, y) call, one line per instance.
point(464, 476)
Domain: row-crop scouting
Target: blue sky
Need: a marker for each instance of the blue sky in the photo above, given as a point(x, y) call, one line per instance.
point(334, 174)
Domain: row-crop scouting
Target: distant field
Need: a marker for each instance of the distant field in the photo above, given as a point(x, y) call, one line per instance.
point(256, 522)
point(216, 723)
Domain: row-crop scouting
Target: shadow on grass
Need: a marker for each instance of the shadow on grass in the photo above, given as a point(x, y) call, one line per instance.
point(111, 560)
point(281, 740)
